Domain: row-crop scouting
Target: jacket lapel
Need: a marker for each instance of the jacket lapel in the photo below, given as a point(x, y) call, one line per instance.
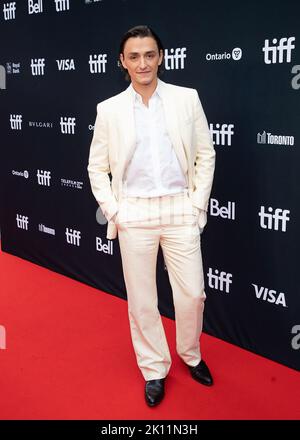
point(173, 123)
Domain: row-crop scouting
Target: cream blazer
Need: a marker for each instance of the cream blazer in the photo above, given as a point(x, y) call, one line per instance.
point(113, 144)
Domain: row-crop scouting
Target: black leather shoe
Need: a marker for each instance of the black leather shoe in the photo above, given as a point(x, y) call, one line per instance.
point(201, 373)
point(154, 391)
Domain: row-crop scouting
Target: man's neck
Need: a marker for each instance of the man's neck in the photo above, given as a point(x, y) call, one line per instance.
point(146, 91)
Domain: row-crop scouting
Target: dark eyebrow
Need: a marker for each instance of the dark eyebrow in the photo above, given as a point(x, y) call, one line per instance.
point(137, 53)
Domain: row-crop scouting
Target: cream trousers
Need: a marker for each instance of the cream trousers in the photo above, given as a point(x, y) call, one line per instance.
point(171, 222)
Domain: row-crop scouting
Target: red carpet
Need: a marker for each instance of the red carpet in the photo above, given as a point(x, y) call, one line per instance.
point(69, 356)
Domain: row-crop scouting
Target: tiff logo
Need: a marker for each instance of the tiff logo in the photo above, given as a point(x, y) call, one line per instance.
point(9, 11)
point(73, 236)
point(22, 221)
point(219, 281)
point(43, 177)
point(222, 133)
point(284, 46)
point(2, 78)
point(224, 211)
point(16, 122)
point(37, 66)
point(274, 221)
point(35, 7)
point(2, 337)
point(270, 295)
point(62, 5)
point(67, 125)
point(97, 63)
point(175, 58)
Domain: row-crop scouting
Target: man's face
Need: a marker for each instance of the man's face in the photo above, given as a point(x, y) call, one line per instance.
point(141, 59)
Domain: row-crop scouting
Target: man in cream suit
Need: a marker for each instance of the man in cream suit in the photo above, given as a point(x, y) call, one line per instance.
point(154, 140)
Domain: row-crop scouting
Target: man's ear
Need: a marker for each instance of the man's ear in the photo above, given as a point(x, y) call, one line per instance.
point(160, 56)
point(122, 60)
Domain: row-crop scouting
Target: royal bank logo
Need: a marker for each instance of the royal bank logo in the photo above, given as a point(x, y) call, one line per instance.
point(13, 68)
point(46, 229)
point(279, 51)
point(222, 133)
point(274, 139)
point(24, 173)
point(174, 58)
point(275, 219)
point(77, 184)
point(62, 5)
point(43, 177)
point(9, 10)
point(295, 83)
point(219, 280)
point(2, 78)
point(35, 7)
point(22, 222)
point(106, 248)
point(66, 64)
point(97, 63)
point(73, 236)
point(67, 125)
point(226, 211)
point(15, 122)
point(37, 66)
point(270, 295)
point(235, 54)
point(295, 341)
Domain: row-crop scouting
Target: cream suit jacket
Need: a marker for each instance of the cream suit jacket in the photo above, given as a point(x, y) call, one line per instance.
point(114, 142)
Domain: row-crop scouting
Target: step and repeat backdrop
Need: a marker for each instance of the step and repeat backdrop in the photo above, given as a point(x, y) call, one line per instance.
point(59, 58)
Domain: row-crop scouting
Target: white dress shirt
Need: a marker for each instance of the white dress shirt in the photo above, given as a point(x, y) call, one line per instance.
point(154, 169)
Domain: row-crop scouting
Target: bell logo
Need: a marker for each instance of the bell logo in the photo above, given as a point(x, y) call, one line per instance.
point(270, 295)
point(2, 338)
point(107, 248)
point(224, 211)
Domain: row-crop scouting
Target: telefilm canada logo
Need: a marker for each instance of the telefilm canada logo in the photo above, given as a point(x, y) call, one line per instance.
point(76, 184)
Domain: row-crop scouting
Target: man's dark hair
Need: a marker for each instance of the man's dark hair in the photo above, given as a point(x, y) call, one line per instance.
point(141, 31)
